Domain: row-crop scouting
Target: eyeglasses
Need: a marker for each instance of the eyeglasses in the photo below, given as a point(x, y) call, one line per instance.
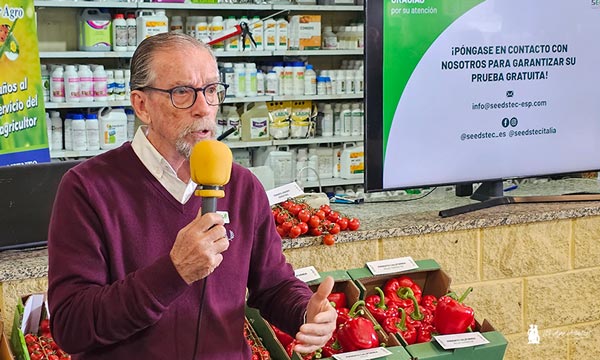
point(184, 97)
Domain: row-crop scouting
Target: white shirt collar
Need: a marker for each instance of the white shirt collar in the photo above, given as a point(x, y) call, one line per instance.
point(160, 168)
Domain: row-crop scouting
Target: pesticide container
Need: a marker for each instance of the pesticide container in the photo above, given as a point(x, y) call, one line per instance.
point(112, 127)
point(150, 22)
point(255, 122)
point(94, 30)
point(280, 161)
point(352, 161)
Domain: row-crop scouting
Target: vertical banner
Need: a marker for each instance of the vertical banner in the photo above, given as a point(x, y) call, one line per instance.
point(23, 135)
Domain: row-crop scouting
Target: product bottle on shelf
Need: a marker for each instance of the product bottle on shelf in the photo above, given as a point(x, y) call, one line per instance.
point(45, 82)
point(57, 85)
point(176, 25)
point(100, 84)
point(357, 118)
point(272, 83)
point(260, 83)
point(92, 131)
point(337, 120)
point(78, 132)
point(49, 130)
point(201, 27)
point(327, 121)
point(228, 77)
point(57, 130)
point(68, 131)
point(270, 34)
point(119, 87)
point(86, 83)
point(346, 116)
point(120, 33)
point(251, 88)
point(257, 30)
point(71, 84)
point(330, 41)
point(131, 32)
point(215, 27)
point(233, 43)
point(282, 34)
point(310, 81)
point(130, 123)
point(240, 79)
point(110, 85)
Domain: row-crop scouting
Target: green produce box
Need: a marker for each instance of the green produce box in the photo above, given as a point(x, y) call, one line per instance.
point(493, 351)
point(266, 334)
point(27, 317)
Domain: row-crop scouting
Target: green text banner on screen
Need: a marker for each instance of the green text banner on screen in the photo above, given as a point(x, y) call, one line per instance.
point(478, 76)
point(23, 135)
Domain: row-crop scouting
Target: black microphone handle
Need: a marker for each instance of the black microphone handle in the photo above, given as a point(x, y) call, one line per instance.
point(209, 204)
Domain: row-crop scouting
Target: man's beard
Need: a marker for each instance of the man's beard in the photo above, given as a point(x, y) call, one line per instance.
point(184, 147)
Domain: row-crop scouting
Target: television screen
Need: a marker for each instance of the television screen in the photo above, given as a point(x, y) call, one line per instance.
point(466, 91)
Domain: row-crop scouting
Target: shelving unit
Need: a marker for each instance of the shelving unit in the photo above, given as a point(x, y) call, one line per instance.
point(58, 34)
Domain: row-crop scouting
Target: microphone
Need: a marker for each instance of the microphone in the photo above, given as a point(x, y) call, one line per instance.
point(210, 168)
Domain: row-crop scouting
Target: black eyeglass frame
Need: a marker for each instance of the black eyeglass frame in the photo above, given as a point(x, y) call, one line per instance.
point(203, 89)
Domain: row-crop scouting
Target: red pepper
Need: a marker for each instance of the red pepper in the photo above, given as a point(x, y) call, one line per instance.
point(406, 293)
point(339, 298)
point(451, 316)
point(342, 316)
point(358, 332)
point(424, 333)
point(395, 325)
point(284, 338)
point(377, 305)
point(331, 348)
point(429, 302)
point(290, 350)
point(392, 287)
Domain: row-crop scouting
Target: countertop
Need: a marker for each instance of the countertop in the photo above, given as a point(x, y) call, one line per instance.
point(395, 215)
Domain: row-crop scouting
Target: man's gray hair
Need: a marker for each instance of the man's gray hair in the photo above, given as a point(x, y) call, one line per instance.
point(141, 62)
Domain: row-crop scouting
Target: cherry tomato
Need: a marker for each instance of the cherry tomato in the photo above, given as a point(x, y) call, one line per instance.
point(295, 209)
point(353, 224)
point(315, 231)
point(314, 221)
point(281, 232)
point(343, 223)
point(334, 228)
point(321, 214)
point(333, 216)
point(303, 215)
point(325, 208)
point(286, 226)
point(295, 232)
point(281, 217)
point(303, 227)
point(328, 239)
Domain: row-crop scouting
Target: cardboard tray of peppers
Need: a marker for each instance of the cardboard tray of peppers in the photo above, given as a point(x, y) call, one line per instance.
point(401, 312)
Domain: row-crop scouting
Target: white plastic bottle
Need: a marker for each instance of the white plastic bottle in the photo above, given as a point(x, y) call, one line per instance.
point(201, 28)
point(176, 25)
point(282, 34)
point(350, 82)
point(215, 27)
point(112, 127)
point(313, 163)
point(251, 88)
point(272, 83)
point(270, 34)
point(119, 87)
point(131, 32)
point(346, 117)
point(330, 41)
point(298, 78)
point(127, 75)
point(57, 130)
point(233, 120)
point(278, 68)
point(357, 118)
point(110, 84)
point(327, 121)
point(71, 84)
point(340, 78)
point(49, 130)
point(92, 132)
point(130, 123)
point(68, 132)
point(257, 30)
point(45, 82)
point(100, 84)
point(310, 81)
point(337, 120)
point(359, 81)
point(240, 79)
point(287, 78)
point(120, 33)
point(78, 133)
point(86, 83)
point(260, 83)
point(57, 85)
point(233, 43)
point(150, 22)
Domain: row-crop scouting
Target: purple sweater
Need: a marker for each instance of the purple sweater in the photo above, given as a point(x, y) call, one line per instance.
point(113, 290)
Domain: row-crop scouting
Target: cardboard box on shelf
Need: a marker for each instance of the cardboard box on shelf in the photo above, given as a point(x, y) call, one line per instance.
point(305, 32)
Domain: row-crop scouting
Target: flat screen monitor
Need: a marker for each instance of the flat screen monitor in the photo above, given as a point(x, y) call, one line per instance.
point(462, 91)
point(27, 194)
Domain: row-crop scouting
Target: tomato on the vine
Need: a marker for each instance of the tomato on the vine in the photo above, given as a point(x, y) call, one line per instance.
point(353, 224)
point(295, 231)
point(303, 215)
point(343, 223)
point(333, 216)
point(314, 221)
point(315, 231)
point(334, 228)
point(328, 239)
point(325, 208)
point(303, 227)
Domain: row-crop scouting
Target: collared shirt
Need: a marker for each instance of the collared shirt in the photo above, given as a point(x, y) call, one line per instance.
point(160, 168)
